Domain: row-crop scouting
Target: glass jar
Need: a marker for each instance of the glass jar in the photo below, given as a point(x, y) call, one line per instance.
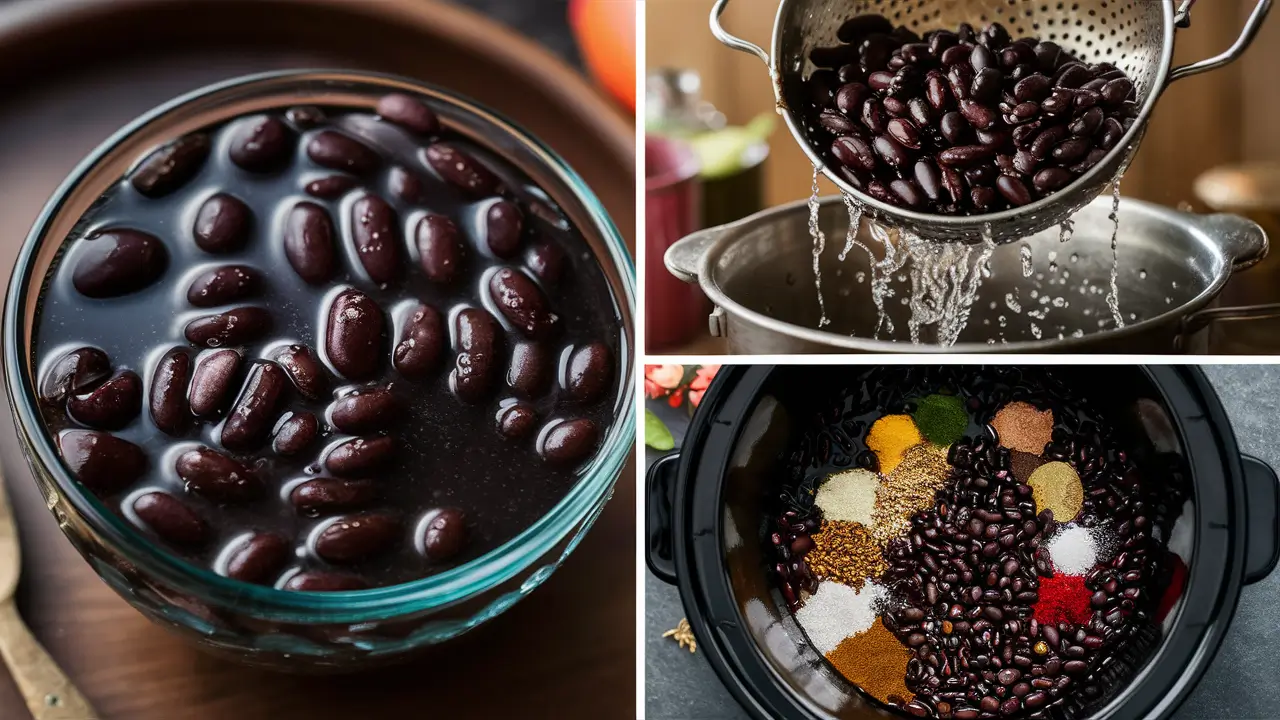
point(311, 631)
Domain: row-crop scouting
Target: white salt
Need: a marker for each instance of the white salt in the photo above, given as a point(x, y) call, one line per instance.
point(1073, 551)
point(849, 496)
point(838, 611)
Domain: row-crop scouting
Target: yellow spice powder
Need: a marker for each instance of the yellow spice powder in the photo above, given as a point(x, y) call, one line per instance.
point(889, 437)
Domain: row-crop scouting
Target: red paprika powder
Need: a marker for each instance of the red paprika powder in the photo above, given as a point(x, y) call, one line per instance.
point(1063, 599)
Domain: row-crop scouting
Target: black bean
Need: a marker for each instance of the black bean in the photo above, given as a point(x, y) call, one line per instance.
point(461, 170)
point(364, 411)
point(355, 335)
point(440, 249)
point(422, 343)
point(980, 116)
point(223, 285)
point(304, 370)
point(238, 326)
point(1051, 179)
point(309, 242)
point(569, 442)
point(170, 166)
point(258, 558)
point(324, 496)
point(117, 262)
point(111, 405)
point(517, 420)
point(1015, 192)
point(215, 476)
point(355, 537)
point(339, 151)
point(589, 372)
point(261, 144)
point(504, 227)
point(324, 581)
point(478, 340)
point(101, 461)
point(211, 382)
point(330, 187)
point(169, 518)
point(408, 112)
point(375, 230)
point(222, 224)
point(295, 433)
point(256, 410)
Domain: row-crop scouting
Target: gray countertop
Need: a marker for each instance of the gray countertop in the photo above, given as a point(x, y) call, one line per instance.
point(1240, 684)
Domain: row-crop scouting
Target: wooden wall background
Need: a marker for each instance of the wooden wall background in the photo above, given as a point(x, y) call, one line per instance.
point(1224, 116)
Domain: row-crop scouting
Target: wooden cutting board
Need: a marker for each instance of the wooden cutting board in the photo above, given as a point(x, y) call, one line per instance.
point(75, 70)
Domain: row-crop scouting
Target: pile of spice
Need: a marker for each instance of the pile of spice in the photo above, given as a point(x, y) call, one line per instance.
point(845, 553)
point(942, 419)
point(849, 496)
point(1075, 550)
point(1056, 487)
point(1063, 599)
point(1024, 427)
point(910, 488)
point(837, 612)
point(875, 661)
point(890, 437)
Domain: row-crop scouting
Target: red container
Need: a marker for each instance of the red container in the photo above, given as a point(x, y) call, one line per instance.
point(674, 311)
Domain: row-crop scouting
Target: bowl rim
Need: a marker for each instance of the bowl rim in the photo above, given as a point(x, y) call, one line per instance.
point(490, 570)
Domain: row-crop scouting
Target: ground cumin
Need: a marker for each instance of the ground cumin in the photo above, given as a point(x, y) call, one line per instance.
point(1022, 427)
point(875, 661)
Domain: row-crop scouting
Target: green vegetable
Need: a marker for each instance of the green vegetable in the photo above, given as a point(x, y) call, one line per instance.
point(942, 419)
point(656, 434)
point(726, 151)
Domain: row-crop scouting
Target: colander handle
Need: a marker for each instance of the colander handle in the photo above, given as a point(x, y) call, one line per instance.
point(1237, 49)
point(735, 42)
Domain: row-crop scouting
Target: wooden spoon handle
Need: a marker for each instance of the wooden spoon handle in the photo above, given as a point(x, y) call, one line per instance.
point(48, 692)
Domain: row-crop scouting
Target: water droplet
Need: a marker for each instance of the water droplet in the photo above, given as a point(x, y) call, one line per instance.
point(1024, 254)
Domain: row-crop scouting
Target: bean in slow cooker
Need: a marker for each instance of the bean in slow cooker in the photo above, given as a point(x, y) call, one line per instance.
point(325, 350)
point(1025, 583)
point(961, 122)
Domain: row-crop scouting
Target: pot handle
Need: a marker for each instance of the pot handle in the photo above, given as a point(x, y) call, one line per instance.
point(1262, 497)
point(737, 43)
point(660, 485)
point(1237, 49)
point(1201, 319)
point(685, 255)
point(1242, 240)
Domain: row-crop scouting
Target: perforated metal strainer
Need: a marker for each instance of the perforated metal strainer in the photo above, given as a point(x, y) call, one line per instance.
point(1135, 35)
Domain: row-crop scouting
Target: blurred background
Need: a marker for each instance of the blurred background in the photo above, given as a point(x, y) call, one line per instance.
point(1211, 145)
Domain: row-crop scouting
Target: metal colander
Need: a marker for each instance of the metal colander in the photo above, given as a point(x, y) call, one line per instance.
point(1135, 35)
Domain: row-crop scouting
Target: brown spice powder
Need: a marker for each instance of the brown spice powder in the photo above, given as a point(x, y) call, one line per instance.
point(1023, 464)
point(875, 661)
point(1022, 427)
point(844, 552)
point(909, 489)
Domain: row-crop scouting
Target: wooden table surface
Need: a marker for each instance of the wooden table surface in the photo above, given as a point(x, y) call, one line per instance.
point(566, 651)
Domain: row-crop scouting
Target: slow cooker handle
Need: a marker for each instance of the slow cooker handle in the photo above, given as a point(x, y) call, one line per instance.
point(660, 484)
point(1262, 497)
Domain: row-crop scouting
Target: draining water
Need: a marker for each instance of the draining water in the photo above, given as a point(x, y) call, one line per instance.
point(1113, 297)
point(945, 278)
point(855, 223)
point(819, 244)
point(1024, 254)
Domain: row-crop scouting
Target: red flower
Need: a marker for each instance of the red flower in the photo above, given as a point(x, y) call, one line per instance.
point(702, 379)
point(652, 389)
point(667, 376)
point(677, 398)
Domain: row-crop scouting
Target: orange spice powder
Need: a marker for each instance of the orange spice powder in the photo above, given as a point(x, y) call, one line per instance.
point(875, 661)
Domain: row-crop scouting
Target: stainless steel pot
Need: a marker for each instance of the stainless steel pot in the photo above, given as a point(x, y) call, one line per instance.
point(759, 274)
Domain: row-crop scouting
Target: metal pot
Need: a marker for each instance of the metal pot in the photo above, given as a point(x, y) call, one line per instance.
point(759, 274)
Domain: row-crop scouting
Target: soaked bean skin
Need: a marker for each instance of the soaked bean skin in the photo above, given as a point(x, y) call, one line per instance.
point(364, 411)
point(504, 226)
point(517, 420)
point(355, 335)
point(171, 166)
point(305, 370)
point(103, 462)
point(211, 383)
point(219, 478)
point(309, 243)
point(169, 518)
point(421, 343)
point(331, 187)
point(222, 224)
point(261, 144)
point(73, 373)
point(256, 410)
point(546, 261)
point(445, 535)
point(239, 326)
point(570, 442)
point(408, 112)
point(224, 285)
point(168, 403)
point(118, 262)
point(325, 496)
point(355, 537)
point(339, 151)
point(324, 581)
point(530, 369)
point(590, 372)
point(478, 339)
point(522, 302)
point(259, 559)
point(110, 406)
point(297, 433)
point(461, 170)
point(360, 457)
point(376, 231)
point(440, 249)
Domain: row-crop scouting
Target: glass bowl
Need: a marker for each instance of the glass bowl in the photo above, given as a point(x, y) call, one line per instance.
point(311, 631)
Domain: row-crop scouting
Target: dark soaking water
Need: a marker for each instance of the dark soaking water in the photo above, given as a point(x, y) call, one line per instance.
point(325, 350)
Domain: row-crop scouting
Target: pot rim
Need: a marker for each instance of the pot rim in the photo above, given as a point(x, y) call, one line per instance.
point(1218, 557)
point(726, 235)
point(596, 479)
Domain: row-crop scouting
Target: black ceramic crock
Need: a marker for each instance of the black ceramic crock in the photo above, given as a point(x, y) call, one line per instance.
point(707, 526)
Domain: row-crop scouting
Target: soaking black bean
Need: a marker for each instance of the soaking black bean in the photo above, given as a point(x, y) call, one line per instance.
point(896, 100)
point(363, 362)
